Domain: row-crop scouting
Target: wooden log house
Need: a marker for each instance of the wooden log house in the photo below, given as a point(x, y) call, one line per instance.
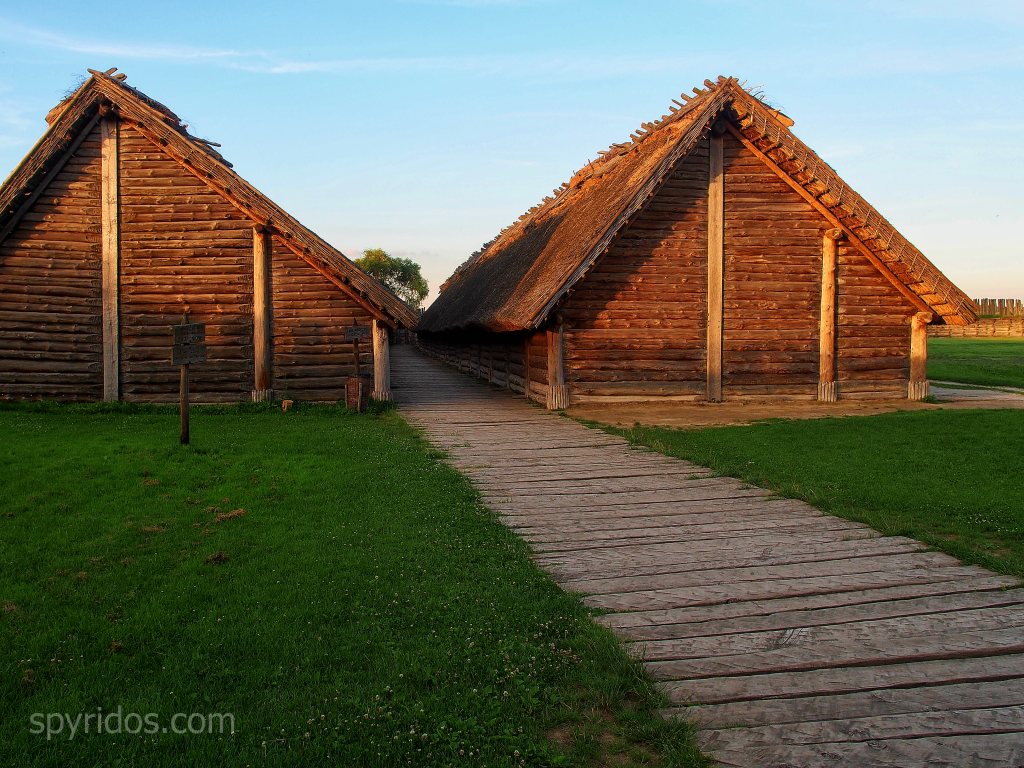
point(713, 256)
point(119, 222)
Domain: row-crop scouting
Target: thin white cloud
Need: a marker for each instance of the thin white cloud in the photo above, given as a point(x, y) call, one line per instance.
point(553, 67)
point(41, 38)
point(549, 66)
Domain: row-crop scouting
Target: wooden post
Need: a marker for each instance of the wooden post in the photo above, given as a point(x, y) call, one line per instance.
point(558, 390)
point(526, 368)
point(716, 265)
point(918, 388)
point(262, 315)
point(827, 391)
point(381, 362)
point(110, 223)
point(183, 404)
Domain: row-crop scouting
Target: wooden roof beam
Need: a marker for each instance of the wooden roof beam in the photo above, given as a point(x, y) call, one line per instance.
point(855, 241)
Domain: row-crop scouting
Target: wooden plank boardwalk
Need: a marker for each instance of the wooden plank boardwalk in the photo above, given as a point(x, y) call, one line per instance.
point(790, 637)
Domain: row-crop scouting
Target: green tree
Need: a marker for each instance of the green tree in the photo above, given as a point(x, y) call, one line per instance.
point(402, 276)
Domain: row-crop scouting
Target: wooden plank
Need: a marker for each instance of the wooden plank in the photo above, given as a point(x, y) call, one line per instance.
point(837, 680)
point(912, 725)
point(671, 580)
point(716, 262)
point(812, 617)
point(995, 750)
point(110, 208)
point(886, 701)
point(770, 589)
point(872, 632)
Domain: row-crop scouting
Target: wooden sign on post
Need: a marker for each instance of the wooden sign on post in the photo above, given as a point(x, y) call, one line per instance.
point(189, 348)
point(355, 398)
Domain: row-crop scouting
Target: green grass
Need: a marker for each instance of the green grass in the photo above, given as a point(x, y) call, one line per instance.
point(363, 610)
point(996, 362)
point(949, 478)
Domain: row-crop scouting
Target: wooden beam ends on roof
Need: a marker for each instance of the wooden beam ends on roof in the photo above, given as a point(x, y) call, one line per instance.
point(827, 321)
point(716, 266)
point(110, 217)
point(49, 176)
point(262, 315)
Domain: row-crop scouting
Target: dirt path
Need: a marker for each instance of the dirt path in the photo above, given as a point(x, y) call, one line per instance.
point(790, 637)
point(697, 415)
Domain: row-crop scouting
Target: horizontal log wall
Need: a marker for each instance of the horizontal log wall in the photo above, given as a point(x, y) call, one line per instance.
point(50, 336)
point(873, 332)
point(498, 358)
point(987, 327)
point(772, 274)
point(310, 314)
point(636, 324)
point(184, 249)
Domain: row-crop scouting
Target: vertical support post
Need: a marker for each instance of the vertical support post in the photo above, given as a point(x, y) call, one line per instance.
point(381, 362)
point(827, 390)
point(183, 404)
point(110, 227)
point(262, 315)
point(526, 367)
point(558, 390)
point(716, 264)
point(918, 388)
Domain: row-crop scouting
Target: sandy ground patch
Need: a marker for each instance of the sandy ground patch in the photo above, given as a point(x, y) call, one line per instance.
point(697, 415)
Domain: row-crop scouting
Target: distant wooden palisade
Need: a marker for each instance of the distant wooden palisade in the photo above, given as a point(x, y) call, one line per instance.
point(119, 221)
point(713, 257)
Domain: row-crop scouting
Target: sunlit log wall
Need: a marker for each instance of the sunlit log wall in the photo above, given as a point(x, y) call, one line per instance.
point(635, 327)
point(183, 249)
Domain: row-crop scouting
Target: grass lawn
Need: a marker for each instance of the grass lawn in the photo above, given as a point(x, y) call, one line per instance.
point(996, 362)
point(952, 479)
point(322, 577)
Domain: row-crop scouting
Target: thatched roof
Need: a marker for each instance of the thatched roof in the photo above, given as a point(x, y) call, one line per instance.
point(107, 91)
point(514, 282)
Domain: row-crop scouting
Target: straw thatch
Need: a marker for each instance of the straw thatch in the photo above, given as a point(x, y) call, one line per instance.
point(519, 278)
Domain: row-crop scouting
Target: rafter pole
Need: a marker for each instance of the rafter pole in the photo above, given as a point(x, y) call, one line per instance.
point(855, 241)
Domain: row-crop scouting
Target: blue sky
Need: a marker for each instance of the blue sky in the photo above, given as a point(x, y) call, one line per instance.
point(424, 126)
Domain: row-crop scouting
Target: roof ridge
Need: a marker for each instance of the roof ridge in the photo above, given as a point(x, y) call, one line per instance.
point(606, 157)
point(161, 126)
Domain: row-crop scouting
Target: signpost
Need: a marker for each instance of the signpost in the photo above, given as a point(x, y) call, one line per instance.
point(189, 348)
point(354, 396)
